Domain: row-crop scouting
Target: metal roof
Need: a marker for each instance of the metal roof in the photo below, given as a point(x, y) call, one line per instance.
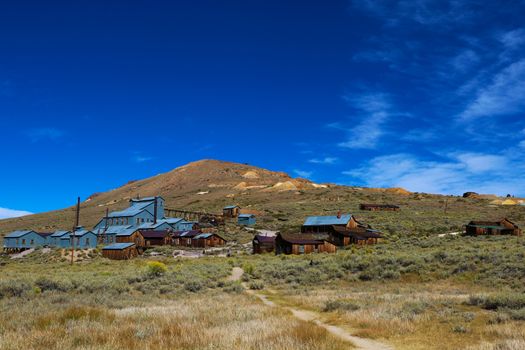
point(231, 207)
point(172, 220)
point(145, 199)
point(133, 210)
point(246, 216)
point(151, 225)
point(118, 246)
point(60, 233)
point(153, 234)
point(203, 236)
point(19, 233)
point(78, 233)
point(124, 230)
point(264, 239)
point(327, 220)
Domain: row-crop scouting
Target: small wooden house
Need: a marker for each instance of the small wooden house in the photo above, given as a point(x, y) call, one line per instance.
point(501, 227)
point(246, 219)
point(183, 238)
point(302, 244)
point(120, 251)
point(263, 244)
point(131, 236)
point(231, 211)
point(207, 240)
point(317, 224)
point(156, 237)
point(376, 207)
point(344, 236)
point(83, 239)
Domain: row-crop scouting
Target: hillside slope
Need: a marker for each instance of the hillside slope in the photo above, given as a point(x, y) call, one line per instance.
point(280, 201)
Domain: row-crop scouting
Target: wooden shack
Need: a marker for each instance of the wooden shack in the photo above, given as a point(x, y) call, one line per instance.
point(231, 211)
point(120, 251)
point(246, 219)
point(183, 238)
point(342, 236)
point(131, 236)
point(207, 240)
point(501, 227)
point(263, 244)
point(302, 244)
point(156, 238)
point(376, 207)
point(317, 224)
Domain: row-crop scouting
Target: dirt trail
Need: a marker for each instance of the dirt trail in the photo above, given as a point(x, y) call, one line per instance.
point(310, 316)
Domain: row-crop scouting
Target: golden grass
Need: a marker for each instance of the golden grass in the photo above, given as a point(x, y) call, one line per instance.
point(206, 321)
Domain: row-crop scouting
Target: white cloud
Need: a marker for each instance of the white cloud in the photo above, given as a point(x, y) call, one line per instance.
point(303, 173)
point(42, 134)
point(461, 172)
point(465, 61)
point(514, 38)
point(141, 159)
point(505, 95)
point(374, 110)
point(6, 213)
point(325, 160)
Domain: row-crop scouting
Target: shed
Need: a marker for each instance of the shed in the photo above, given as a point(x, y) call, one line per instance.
point(131, 236)
point(303, 244)
point(205, 240)
point(120, 251)
point(376, 207)
point(263, 244)
point(501, 227)
point(345, 236)
point(83, 239)
point(246, 219)
point(231, 211)
point(156, 237)
point(316, 224)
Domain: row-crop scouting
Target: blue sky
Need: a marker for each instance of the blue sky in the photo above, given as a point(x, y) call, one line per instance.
point(427, 95)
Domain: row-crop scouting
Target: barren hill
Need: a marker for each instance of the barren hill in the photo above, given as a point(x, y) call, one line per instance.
point(280, 201)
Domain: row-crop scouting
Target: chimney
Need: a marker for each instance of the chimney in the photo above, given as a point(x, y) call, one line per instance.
point(155, 212)
point(339, 214)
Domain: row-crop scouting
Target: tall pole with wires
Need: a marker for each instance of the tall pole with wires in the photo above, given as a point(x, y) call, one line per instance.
point(73, 235)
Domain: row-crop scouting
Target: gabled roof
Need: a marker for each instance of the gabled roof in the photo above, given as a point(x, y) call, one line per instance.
point(44, 234)
point(154, 234)
point(124, 230)
point(134, 209)
point(151, 225)
point(118, 246)
point(247, 216)
point(327, 220)
point(302, 238)
point(186, 234)
point(78, 233)
point(172, 220)
point(60, 233)
point(264, 239)
point(145, 199)
point(358, 232)
point(231, 207)
point(19, 233)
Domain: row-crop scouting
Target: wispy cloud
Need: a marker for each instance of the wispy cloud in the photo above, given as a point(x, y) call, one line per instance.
point(138, 157)
point(373, 111)
point(6, 213)
point(325, 160)
point(504, 95)
point(457, 173)
point(45, 134)
point(303, 173)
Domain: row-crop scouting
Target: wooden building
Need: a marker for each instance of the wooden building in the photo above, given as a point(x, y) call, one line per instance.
point(302, 244)
point(231, 211)
point(318, 224)
point(23, 239)
point(342, 236)
point(183, 238)
point(376, 207)
point(120, 251)
point(501, 227)
point(131, 236)
point(207, 240)
point(156, 238)
point(263, 244)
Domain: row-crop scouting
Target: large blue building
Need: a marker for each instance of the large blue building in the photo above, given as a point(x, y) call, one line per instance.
point(140, 211)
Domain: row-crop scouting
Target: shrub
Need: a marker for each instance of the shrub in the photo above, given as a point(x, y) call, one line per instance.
point(340, 304)
point(46, 284)
point(497, 301)
point(193, 286)
point(156, 268)
point(256, 285)
point(13, 289)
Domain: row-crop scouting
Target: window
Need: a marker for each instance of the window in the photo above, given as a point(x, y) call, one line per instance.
point(301, 249)
point(138, 221)
point(32, 242)
point(23, 241)
point(17, 241)
point(142, 220)
point(127, 221)
point(87, 241)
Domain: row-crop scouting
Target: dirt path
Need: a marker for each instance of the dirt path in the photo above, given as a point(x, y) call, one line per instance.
point(22, 254)
point(310, 316)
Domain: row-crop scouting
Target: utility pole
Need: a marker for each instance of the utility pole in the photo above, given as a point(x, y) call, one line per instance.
point(74, 230)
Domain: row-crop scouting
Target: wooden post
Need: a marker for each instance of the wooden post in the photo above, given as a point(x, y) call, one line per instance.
point(74, 230)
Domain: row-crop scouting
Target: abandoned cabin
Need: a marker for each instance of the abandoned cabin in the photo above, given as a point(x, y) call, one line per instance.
point(501, 227)
point(156, 238)
point(231, 211)
point(303, 244)
point(120, 251)
point(376, 207)
point(207, 240)
point(263, 244)
point(183, 238)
